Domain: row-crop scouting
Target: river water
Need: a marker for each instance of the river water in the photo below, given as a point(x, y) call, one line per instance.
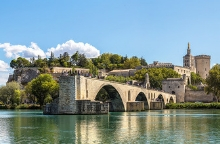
point(163, 126)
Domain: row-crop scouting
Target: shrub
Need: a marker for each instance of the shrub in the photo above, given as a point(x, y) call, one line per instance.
point(193, 106)
point(192, 87)
point(30, 106)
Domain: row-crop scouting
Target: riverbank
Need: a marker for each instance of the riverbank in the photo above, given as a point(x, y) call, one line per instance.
point(197, 105)
point(22, 106)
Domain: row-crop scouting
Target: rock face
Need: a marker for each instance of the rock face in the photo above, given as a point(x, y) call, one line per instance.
point(24, 75)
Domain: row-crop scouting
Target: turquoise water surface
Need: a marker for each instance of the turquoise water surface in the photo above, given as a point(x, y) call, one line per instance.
point(163, 126)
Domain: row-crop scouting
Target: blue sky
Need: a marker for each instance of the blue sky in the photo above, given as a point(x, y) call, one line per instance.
point(157, 30)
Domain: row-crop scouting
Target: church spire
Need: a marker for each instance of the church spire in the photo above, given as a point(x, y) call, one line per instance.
point(188, 50)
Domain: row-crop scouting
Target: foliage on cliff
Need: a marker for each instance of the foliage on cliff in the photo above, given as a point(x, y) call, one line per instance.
point(156, 76)
point(213, 81)
point(106, 61)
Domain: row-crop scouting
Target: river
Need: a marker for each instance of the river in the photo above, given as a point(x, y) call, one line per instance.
point(163, 126)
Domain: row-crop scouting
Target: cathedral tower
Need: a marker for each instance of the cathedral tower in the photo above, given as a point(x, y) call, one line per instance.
point(189, 60)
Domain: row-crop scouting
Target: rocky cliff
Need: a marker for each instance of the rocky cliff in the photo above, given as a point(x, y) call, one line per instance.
point(24, 75)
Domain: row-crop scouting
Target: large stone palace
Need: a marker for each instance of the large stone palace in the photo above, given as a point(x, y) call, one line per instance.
point(199, 64)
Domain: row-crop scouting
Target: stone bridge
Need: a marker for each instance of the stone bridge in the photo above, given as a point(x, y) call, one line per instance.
point(120, 94)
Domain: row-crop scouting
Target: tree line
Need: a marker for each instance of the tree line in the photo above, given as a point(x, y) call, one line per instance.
point(107, 61)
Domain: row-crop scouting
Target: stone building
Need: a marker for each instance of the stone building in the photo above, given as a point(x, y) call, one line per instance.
point(189, 60)
point(199, 64)
point(178, 87)
point(124, 73)
point(202, 65)
point(175, 86)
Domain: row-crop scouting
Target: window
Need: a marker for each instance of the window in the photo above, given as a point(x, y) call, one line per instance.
point(129, 95)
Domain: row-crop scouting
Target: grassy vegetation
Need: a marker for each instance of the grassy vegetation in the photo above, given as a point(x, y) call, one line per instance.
point(21, 106)
point(192, 87)
point(193, 106)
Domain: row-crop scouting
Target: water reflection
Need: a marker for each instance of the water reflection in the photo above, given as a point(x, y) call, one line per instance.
point(166, 126)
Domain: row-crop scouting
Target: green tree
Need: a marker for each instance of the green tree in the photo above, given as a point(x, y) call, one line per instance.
point(17, 96)
point(156, 76)
point(132, 62)
point(196, 79)
point(41, 63)
point(92, 68)
point(213, 81)
point(19, 63)
point(115, 59)
point(105, 61)
point(43, 86)
point(28, 92)
point(64, 59)
point(143, 61)
point(8, 92)
point(75, 58)
point(83, 62)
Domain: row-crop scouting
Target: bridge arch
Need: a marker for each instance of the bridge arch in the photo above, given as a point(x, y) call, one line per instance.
point(142, 97)
point(162, 99)
point(115, 97)
point(171, 100)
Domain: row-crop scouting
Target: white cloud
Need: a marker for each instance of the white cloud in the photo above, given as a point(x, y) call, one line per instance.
point(71, 47)
point(3, 78)
point(3, 66)
point(14, 51)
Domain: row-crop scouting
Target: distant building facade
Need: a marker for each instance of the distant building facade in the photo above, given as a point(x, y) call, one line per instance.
point(179, 69)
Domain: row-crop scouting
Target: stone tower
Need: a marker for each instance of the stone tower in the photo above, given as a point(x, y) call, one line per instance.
point(189, 60)
point(202, 65)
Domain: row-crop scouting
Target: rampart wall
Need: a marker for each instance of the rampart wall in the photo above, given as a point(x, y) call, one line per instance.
point(201, 96)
